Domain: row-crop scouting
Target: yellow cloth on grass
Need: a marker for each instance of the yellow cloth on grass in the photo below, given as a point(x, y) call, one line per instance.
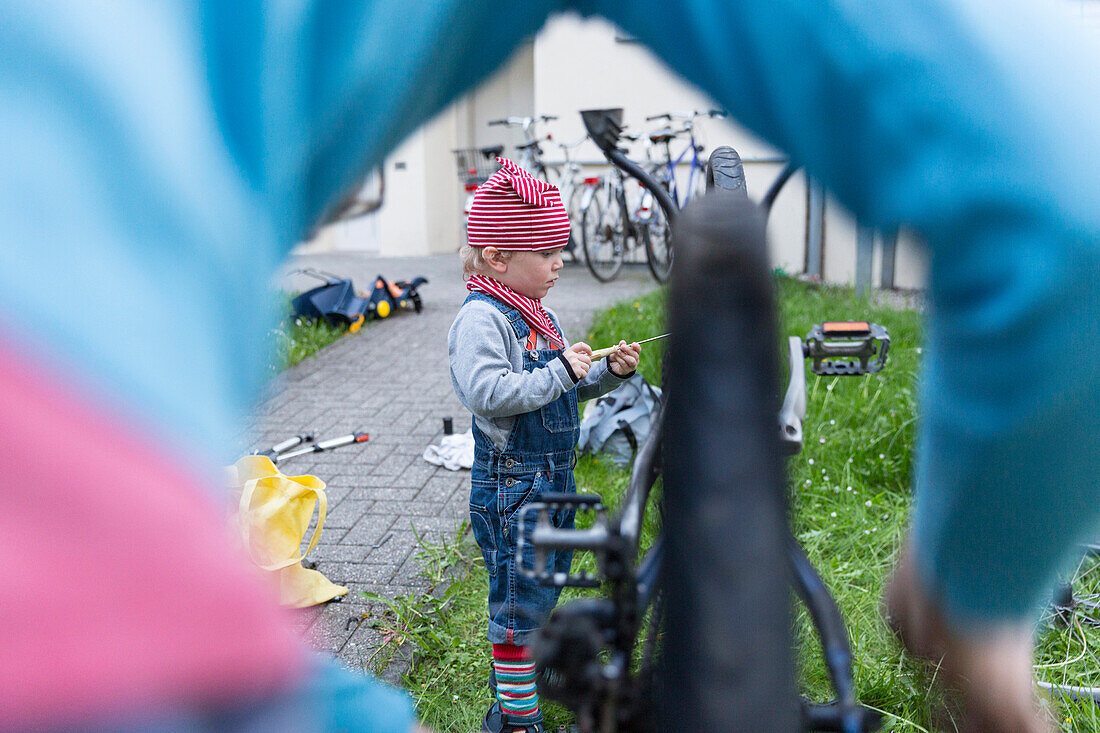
point(273, 516)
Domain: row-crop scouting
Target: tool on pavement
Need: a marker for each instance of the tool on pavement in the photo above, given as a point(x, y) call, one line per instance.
point(282, 451)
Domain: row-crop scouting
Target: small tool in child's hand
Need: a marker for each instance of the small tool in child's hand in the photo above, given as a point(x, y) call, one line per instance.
point(601, 353)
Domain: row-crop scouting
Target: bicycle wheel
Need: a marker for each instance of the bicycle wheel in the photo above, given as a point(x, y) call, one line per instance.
point(602, 236)
point(572, 206)
point(726, 661)
point(725, 172)
point(657, 237)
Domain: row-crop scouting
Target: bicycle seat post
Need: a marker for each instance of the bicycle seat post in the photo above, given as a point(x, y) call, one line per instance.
point(727, 662)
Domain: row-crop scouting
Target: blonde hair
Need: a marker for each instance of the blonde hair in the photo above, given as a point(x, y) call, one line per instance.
point(473, 260)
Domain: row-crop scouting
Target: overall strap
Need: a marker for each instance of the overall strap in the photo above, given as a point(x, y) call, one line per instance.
point(523, 331)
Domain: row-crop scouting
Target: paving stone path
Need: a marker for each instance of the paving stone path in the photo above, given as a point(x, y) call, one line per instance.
point(391, 379)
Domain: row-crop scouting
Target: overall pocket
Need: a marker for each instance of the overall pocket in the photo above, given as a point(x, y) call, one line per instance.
point(484, 522)
point(515, 492)
point(560, 416)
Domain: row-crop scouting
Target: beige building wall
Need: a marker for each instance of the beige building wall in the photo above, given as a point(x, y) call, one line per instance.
point(422, 213)
point(569, 49)
point(575, 64)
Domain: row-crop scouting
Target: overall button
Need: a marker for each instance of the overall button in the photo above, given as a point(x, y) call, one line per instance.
point(509, 462)
point(534, 355)
point(509, 482)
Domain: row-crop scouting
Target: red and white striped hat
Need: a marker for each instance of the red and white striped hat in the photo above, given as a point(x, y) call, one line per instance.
point(513, 210)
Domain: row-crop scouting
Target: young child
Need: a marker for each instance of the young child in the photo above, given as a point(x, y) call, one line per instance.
point(512, 367)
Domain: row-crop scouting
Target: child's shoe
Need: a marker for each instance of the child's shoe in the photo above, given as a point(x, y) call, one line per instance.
point(496, 721)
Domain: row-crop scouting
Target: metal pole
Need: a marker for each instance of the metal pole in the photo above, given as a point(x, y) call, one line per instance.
point(815, 229)
point(865, 251)
point(889, 255)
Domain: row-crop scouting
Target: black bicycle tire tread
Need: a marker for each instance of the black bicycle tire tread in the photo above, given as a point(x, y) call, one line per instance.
point(725, 171)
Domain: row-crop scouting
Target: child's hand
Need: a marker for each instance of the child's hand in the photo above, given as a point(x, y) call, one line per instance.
point(625, 360)
point(579, 356)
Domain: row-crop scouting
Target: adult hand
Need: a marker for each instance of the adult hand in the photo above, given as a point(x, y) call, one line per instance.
point(579, 357)
point(992, 668)
point(625, 360)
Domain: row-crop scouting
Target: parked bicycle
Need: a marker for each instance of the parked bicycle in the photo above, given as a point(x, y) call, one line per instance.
point(612, 226)
point(658, 242)
point(475, 165)
point(530, 158)
point(731, 578)
point(566, 175)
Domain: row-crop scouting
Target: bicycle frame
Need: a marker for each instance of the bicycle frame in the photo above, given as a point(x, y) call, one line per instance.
point(670, 168)
point(669, 173)
point(613, 184)
point(732, 584)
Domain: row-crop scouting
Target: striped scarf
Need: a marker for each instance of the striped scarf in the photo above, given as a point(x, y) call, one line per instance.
point(533, 313)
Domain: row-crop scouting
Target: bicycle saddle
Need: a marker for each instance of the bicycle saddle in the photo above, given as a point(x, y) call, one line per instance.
point(531, 144)
point(663, 135)
point(492, 151)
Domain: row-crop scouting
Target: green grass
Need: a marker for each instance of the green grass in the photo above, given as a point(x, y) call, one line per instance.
point(849, 496)
point(1070, 654)
point(450, 662)
point(297, 338)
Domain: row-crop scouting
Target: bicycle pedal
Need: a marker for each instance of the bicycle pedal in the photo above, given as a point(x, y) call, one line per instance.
point(847, 348)
point(538, 532)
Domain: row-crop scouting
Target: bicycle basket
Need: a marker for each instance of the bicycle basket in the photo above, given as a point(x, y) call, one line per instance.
point(474, 166)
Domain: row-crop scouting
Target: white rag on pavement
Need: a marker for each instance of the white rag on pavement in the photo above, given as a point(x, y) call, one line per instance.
point(453, 452)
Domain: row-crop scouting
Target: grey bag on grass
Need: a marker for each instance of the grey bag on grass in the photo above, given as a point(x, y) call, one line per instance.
point(620, 421)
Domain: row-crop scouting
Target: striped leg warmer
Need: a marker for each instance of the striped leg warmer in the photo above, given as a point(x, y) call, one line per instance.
point(515, 673)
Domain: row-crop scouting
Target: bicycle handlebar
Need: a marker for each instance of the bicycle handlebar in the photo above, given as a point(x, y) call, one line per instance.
point(570, 146)
point(689, 115)
point(521, 121)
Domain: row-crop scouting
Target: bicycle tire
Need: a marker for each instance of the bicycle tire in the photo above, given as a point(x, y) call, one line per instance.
point(602, 254)
point(573, 248)
point(657, 238)
point(727, 662)
point(724, 171)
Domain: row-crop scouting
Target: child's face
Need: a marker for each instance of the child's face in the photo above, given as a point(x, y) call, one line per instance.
point(531, 273)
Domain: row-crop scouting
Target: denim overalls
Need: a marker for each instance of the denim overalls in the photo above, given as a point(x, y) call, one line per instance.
point(538, 458)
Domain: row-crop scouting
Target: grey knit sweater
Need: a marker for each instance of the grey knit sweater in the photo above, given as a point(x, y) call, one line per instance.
point(488, 377)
